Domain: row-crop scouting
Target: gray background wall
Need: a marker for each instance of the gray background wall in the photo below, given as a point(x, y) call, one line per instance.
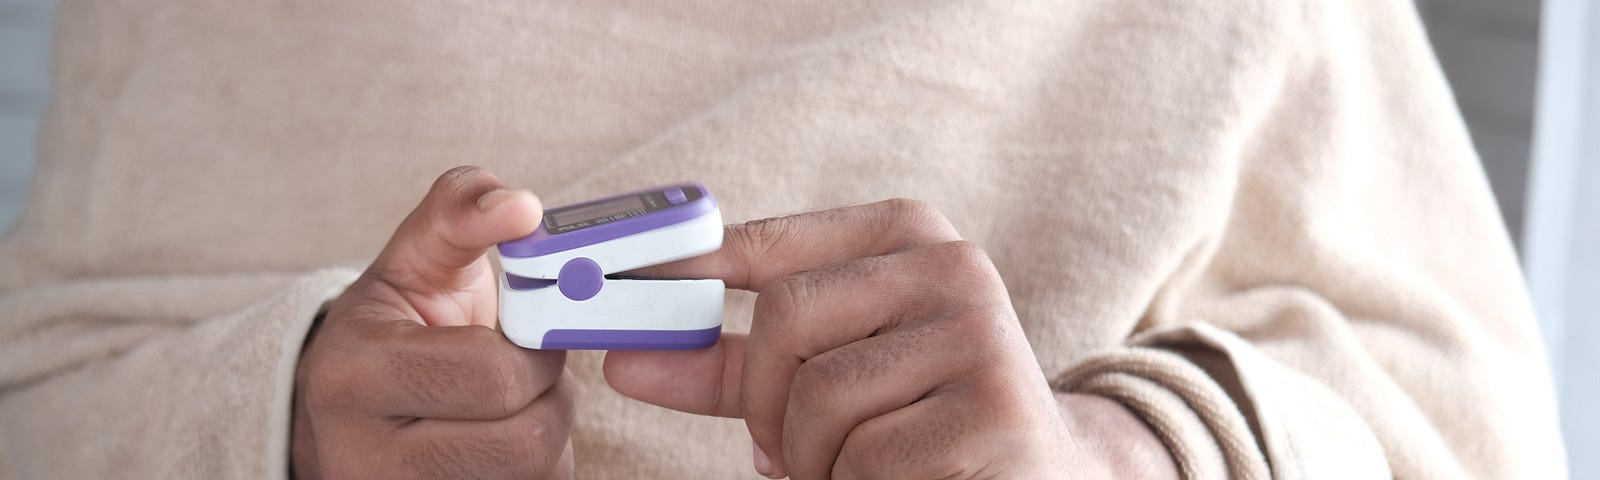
point(1489, 50)
point(25, 28)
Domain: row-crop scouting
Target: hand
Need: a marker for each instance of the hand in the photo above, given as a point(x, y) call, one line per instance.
point(407, 376)
point(882, 346)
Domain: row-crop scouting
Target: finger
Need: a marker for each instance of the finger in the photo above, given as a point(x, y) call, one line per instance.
point(757, 253)
point(466, 211)
point(816, 311)
point(834, 392)
point(702, 382)
point(534, 443)
point(707, 381)
point(404, 370)
point(936, 437)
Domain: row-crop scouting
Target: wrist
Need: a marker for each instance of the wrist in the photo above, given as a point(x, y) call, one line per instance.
point(302, 456)
point(1110, 438)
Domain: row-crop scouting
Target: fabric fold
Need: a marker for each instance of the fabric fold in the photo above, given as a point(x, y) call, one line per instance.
point(1200, 425)
point(176, 388)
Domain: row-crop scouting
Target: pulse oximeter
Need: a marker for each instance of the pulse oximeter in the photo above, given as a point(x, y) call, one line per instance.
point(558, 292)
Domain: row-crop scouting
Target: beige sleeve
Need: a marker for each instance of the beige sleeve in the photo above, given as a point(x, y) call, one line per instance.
point(1358, 312)
point(154, 377)
point(1274, 241)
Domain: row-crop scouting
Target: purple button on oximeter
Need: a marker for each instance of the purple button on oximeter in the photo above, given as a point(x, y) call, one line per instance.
point(574, 249)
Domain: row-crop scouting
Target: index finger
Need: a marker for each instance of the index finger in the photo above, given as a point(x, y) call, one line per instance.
point(755, 254)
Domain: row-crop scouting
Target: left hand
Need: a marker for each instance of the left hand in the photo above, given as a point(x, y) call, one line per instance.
point(882, 346)
point(407, 376)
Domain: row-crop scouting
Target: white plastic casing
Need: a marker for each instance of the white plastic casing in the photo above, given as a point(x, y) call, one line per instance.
point(527, 315)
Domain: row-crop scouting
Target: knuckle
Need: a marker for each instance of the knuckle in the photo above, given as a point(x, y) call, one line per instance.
point(757, 239)
point(326, 386)
point(455, 189)
point(531, 457)
point(456, 178)
point(504, 381)
point(334, 384)
point(539, 444)
point(968, 263)
point(813, 385)
point(910, 210)
point(757, 236)
point(502, 396)
point(868, 452)
point(988, 355)
point(460, 457)
point(1006, 396)
point(918, 217)
point(785, 298)
point(841, 368)
point(528, 446)
point(441, 208)
point(966, 255)
point(993, 345)
point(879, 450)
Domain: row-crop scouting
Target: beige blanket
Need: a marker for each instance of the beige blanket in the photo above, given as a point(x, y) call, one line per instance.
point(1260, 224)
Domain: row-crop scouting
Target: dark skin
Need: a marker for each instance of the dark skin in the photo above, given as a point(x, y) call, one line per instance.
point(883, 346)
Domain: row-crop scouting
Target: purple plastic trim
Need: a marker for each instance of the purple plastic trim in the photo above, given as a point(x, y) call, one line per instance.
point(675, 196)
point(630, 339)
point(580, 279)
point(541, 242)
point(525, 283)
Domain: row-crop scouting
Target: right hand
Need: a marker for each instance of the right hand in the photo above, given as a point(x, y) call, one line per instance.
point(407, 376)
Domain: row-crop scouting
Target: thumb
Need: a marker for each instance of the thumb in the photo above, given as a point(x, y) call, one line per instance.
point(466, 211)
point(702, 382)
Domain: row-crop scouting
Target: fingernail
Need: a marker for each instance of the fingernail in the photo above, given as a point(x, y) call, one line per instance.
point(495, 197)
point(763, 464)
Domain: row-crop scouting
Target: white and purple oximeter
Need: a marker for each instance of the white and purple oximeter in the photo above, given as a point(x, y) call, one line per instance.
point(556, 293)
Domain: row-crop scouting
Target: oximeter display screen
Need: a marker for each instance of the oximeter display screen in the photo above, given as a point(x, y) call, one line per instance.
point(598, 210)
point(566, 219)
